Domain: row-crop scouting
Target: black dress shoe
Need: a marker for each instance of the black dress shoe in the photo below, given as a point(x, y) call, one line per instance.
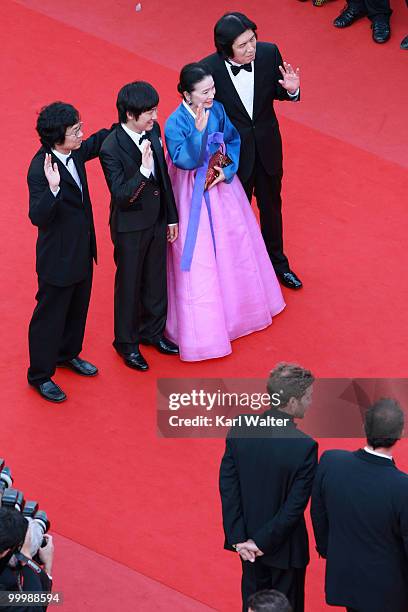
point(163, 345)
point(381, 31)
point(348, 16)
point(80, 366)
point(50, 391)
point(290, 280)
point(136, 361)
point(404, 43)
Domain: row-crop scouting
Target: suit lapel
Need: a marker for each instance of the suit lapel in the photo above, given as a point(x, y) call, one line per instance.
point(259, 74)
point(64, 172)
point(127, 144)
point(157, 151)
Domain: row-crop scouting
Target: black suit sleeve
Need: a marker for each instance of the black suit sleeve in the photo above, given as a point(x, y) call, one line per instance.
point(271, 535)
point(91, 146)
point(124, 191)
point(43, 203)
point(230, 490)
point(318, 511)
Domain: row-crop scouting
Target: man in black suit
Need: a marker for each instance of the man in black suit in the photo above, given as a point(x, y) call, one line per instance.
point(266, 478)
point(360, 518)
point(248, 77)
point(61, 208)
point(143, 213)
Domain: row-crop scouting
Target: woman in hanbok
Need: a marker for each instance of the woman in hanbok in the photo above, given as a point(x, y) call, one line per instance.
point(221, 283)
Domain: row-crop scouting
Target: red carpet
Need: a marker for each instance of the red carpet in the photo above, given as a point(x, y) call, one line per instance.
point(150, 506)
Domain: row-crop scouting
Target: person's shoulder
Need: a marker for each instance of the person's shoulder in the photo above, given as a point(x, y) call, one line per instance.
point(210, 60)
point(336, 455)
point(266, 47)
point(111, 140)
point(37, 163)
point(179, 117)
point(218, 107)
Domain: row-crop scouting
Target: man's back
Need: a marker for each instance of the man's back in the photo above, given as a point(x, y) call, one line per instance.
point(265, 484)
point(360, 518)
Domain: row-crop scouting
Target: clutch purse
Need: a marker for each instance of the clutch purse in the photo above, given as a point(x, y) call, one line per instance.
point(218, 159)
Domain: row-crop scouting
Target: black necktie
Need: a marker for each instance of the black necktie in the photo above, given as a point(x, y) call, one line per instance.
point(68, 159)
point(235, 69)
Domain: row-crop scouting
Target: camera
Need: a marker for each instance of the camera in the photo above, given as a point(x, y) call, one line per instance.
point(6, 479)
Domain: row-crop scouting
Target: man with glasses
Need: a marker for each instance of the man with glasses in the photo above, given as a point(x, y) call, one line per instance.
point(61, 208)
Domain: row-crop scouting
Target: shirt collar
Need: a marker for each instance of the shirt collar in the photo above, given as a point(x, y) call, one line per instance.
point(61, 156)
point(230, 63)
point(135, 136)
point(192, 113)
point(373, 452)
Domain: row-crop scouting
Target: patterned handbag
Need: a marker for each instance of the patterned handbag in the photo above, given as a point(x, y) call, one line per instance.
point(217, 159)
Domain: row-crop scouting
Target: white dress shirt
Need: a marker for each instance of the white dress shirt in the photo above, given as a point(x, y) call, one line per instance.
point(244, 84)
point(135, 136)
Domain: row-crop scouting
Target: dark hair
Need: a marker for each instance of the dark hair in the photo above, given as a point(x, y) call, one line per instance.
point(53, 121)
point(269, 601)
point(384, 423)
point(190, 75)
point(289, 380)
point(228, 28)
point(136, 98)
point(13, 528)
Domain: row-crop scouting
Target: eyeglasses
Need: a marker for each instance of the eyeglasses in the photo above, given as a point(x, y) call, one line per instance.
point(76, 131)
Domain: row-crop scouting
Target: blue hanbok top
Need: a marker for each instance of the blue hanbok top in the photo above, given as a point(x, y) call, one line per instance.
point(189, 148)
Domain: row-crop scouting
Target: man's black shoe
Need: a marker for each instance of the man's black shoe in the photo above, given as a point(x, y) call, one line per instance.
point(163, 345)
point(290, 280)
point(348, 16)
point(50, 391)
point(80, 366)
point(136, 361)
point(381, 31)
point(404, 43)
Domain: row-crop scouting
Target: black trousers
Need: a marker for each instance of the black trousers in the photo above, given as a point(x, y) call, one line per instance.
point(57, 327)
point(258, 576)
point(267, 190)
point(376, 9)
point(140, 301)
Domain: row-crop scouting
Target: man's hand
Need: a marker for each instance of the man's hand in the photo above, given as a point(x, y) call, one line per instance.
point(172, 232)
point(147, 155)
point(248, 551)
point(46, 554)
point(291, 78)
point(51, 173)
point(201, 118)
point(219, 178)
point(26, 547)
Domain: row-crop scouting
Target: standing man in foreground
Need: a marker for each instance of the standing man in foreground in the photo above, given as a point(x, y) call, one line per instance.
point(360, 518)
point(143, 214)
point(266, 478)
point(248, 77)
point(61, 208)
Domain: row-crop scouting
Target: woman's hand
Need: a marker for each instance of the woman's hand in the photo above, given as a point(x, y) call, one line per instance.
point(219, 178)
point(201, 119)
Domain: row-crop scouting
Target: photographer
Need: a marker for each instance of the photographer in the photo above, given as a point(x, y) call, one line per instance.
point(20, 541)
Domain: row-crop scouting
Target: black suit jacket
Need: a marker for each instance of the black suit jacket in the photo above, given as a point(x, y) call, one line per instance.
point(66, 233)
point(261, 133)
point(360, 520)
point(265, 485)
point(135, 200)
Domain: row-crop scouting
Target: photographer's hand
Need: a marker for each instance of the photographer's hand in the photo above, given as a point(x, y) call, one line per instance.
point(46, 554)
point(26, 547)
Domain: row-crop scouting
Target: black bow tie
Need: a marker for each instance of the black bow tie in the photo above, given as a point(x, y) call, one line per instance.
point(235, 69)
point(68, 159)
point(142, 138)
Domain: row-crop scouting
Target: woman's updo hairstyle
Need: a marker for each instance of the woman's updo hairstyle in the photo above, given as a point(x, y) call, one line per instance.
point(190, 75)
